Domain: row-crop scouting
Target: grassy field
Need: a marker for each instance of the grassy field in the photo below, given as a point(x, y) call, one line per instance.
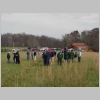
point(34, 74)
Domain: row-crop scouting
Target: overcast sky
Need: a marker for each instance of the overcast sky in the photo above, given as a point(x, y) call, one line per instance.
point(49, 24)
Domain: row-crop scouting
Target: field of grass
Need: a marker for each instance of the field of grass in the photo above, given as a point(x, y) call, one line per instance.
point(34, 74)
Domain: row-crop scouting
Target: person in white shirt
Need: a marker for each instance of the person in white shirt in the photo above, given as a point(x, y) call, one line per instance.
point(79, 56)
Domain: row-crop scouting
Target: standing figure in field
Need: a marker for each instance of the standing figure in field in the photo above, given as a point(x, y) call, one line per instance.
point(75, 55)
point(60, 57)
point(48, 54)
point(28, 55)
point(52, 57)
point(54, 53)
point(68, 53)
point(79, 56)
point(14, 57)
point(44, 57)
point(32, 54)
point(65, 56)
point(39, 53)
point(35, 55)
point(17, 58)
point(8, 57)
point(72, 55)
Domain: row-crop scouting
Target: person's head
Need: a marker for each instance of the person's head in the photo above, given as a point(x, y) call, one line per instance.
point(75, 51)
point(71, 50)
point(65, 50)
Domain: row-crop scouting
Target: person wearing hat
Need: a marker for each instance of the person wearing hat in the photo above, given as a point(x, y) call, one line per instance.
point(8, 57)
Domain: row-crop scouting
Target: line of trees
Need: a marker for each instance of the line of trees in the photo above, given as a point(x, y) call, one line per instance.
point(89, 37)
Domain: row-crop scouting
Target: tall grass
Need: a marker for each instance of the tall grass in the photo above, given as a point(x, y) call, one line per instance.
point(33, 74)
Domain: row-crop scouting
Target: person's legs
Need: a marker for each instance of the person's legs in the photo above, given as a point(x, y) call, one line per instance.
point(8, 60)
point(60, 61)
point(47, 61)
point(68, 59)
point(32, 57)
point(27, 57)
point(16, 60)
point(79, 58)
point(44, 61)
point(35, 58)
point(52, 60)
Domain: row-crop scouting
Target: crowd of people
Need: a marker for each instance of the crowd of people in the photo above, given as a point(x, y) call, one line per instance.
point(49, 56)
point(68, 56)
point(33, 54)
point(16, 57)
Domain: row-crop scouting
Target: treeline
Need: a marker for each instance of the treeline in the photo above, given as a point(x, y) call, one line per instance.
point(89, 37)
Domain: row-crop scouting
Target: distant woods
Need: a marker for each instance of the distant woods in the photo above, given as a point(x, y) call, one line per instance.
point(89, 37)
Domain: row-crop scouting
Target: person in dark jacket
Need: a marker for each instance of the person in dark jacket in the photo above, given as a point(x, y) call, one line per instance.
point(44, 58)
point(68, 55)
point(17, 57)
point(65, 56)
point(8, 57)
point(28, 54)
point(75, 55)
point(35, 55)
point(72, 55)
point(60, 57)
point(54, 53)
point(14, 57)
point(48, 57)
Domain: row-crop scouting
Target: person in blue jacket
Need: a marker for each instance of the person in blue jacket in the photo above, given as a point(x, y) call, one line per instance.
point(48, 55)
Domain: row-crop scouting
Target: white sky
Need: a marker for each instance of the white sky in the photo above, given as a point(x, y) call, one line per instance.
point(49, 24)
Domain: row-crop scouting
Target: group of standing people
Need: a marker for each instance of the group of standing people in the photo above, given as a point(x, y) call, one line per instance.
point(16, 57)
point(32, 54)
point(48, 57)
point(69, 56)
